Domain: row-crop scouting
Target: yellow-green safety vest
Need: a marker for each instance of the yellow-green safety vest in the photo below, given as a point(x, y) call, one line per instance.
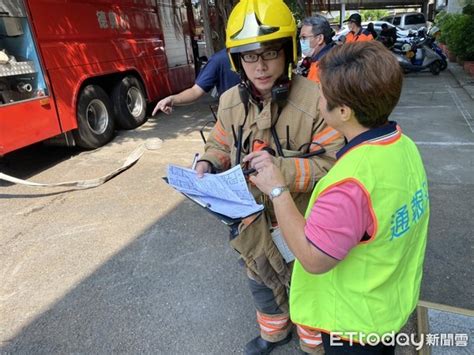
point(376, 287)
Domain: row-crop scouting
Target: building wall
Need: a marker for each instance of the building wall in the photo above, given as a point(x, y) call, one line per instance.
point(455, 6)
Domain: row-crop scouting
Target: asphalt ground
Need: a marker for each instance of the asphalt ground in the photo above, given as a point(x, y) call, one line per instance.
point(134, 267)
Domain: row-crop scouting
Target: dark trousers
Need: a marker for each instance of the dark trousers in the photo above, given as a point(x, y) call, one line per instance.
point(355, 348)
point(263, 298)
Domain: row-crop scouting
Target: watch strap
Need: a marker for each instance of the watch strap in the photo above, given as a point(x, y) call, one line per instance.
point(279, 190)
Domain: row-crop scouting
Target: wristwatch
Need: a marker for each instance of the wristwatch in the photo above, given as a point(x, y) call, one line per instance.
point(277, 191)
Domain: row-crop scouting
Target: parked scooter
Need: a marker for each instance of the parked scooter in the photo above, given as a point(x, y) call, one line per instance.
point(431, 41)
point(417, 55)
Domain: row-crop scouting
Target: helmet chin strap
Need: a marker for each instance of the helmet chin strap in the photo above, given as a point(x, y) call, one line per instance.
point(280, 90)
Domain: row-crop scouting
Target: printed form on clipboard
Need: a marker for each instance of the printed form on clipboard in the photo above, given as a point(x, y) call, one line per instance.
point(225, 193)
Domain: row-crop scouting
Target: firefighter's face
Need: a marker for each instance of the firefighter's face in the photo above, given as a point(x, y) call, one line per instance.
point(263, 67)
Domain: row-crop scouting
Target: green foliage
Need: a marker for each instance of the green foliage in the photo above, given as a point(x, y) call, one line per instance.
point(468, 12)
point(373, 15)
point(444, 21)
point(468, 9)
point(295, 9)
point(456, 34)
point(468, 38)
point(440, 18)
point(457, 31)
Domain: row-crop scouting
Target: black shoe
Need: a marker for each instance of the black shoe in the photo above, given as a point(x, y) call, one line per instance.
point(260, 346)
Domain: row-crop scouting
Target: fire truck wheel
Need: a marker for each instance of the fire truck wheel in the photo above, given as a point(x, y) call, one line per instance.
point(129, 103)
point(94, 118)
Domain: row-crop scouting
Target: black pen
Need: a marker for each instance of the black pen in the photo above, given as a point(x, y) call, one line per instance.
point(196, 158)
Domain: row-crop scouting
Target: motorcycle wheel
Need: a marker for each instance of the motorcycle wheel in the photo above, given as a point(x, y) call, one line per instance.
point(444, 65)
point(435, 67)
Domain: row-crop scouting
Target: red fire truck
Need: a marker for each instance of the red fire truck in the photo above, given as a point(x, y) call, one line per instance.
point(83, 68)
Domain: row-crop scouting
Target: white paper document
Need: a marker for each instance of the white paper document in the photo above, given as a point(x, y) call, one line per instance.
point(282, 246)
point(225, 193)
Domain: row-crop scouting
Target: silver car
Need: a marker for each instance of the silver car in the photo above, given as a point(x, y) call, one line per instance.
point(407, 21)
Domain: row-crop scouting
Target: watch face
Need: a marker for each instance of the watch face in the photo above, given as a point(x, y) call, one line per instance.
point(276, 192)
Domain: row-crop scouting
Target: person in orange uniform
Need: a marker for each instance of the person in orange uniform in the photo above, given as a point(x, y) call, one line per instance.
point(357, 33)
point(316, 41)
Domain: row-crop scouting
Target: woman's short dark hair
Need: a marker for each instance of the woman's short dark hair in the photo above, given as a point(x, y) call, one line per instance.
point(319, 25)
point(364, 76)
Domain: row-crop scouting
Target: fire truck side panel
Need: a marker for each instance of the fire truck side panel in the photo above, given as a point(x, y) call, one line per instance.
point(26, 116)
point(178, 48)
point(27, 123)
point(81, 39)
point(79, 42)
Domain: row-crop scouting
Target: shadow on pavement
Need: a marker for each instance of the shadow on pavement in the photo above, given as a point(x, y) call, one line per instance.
point(39, 157)
point(167, 292)
point(32, 160)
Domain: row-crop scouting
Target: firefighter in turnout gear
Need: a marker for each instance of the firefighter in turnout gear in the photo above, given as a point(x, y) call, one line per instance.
point(275, 117)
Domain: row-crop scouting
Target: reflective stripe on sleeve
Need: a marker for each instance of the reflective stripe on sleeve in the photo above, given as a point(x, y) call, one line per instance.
point(302, 178)
point(325, 137)
point(220, 135)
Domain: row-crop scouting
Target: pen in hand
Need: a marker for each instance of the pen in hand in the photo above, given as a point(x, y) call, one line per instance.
point(195, 160)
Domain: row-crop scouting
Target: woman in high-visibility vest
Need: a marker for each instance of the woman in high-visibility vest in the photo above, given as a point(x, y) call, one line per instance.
point(361, 244)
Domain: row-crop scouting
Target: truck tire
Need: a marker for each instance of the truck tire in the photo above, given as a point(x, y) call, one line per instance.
point(94, 118)
point(129, 103)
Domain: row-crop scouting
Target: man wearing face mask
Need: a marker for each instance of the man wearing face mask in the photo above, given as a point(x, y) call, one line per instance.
point(316, 40)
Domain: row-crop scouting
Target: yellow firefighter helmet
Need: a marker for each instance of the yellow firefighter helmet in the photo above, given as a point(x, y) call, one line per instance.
point(254, 23)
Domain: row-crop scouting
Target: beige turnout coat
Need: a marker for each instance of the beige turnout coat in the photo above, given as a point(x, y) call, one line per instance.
point(300, 129)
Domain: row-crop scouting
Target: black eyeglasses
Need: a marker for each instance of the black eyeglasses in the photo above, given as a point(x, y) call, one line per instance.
point(253, 57)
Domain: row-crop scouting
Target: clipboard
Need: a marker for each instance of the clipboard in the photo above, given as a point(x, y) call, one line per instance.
point(228, 221)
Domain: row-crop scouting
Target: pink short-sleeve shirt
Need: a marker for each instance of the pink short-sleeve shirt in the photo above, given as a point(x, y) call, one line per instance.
point(339, 219)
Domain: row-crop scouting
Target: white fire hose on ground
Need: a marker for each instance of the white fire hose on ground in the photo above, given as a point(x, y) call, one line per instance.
point(134, 156)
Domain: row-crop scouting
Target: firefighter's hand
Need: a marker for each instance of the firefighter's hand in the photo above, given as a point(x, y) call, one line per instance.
point(258, 160)
point(165, 105)
point(268, 177)
point(202, 167)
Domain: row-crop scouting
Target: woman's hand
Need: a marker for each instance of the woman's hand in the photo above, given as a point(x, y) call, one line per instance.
point(268, 174)
point(257, 160)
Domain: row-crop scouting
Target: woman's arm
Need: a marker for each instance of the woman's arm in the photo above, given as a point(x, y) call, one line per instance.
point(290, 220)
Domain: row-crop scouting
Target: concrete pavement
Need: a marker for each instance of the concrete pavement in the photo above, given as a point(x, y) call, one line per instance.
point(133, 267)
point(464, 80)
